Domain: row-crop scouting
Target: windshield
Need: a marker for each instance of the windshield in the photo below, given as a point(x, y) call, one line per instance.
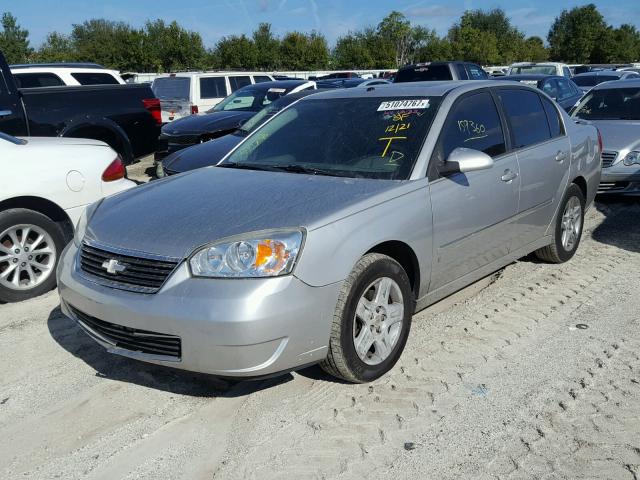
point(250, 99)
point(592, 80)
point(529, 69)
point(610, 104)
point(171, 88)
point(353, 137)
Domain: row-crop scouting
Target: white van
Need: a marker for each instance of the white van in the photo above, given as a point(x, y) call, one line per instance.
point(183, 94)
point(58, 74)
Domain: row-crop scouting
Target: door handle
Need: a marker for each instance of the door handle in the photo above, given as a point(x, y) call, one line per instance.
point(5, 113)
point(560, 156)
point(508, 175)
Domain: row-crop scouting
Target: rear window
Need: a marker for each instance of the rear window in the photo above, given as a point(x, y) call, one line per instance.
point(213, 87)
point(172, 88)
point(423, 73)
point(95, 78)
point(610, 104)
point(592, 80)
point(239, 82)
point(34, 80)
point(530, 69)
point(476, 72)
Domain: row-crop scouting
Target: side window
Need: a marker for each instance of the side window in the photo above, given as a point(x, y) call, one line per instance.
point(212, 87)
point(553, 117)
point(473, 122)
point(462, 73)
point(34, 80)
point(261, 78)
point(476, 73)
point(96, 78)
point(239, 82)
point(564, 89)
point(566, 72)
point(550, 87)
point(527, 117)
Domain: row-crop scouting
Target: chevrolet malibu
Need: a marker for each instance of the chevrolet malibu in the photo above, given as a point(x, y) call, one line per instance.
point(317, 238)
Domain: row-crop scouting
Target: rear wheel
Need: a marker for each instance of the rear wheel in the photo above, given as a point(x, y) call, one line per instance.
point(30, 245)
point(568, 228)
point(372, 320)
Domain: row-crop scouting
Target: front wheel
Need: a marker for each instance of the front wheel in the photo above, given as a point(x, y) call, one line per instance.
point(568, 228)
point(30, 244)
point(372, 320)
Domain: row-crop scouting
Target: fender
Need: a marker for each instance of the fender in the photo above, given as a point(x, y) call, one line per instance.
point(87, 121)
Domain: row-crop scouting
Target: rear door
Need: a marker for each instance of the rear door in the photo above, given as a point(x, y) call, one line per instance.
point(543, 150)
point(12, 118)
point(472, 212)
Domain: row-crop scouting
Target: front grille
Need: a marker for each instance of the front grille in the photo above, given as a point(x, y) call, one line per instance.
point(612, 186)
point(608, 158)
point(133, 339)
point(183, 139)
point(143, 275)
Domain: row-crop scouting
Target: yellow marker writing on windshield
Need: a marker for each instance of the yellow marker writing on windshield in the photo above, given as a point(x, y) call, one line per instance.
point(389, 141)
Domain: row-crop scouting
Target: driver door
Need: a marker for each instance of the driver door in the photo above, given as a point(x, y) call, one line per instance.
point(474, 212)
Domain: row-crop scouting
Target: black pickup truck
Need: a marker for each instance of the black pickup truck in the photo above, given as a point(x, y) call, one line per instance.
point(127, 117)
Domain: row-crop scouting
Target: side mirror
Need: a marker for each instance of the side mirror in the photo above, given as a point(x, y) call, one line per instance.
point(466, 160)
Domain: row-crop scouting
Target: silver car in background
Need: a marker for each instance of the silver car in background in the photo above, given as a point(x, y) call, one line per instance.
point(614, 108)
point(319, 236)
point(586, 81)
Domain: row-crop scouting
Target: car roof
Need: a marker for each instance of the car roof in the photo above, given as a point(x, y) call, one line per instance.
point(626, 83)
point(523, 64)
point(415, 89)
point(602, 73)
point(57, 65)
point(287, 84)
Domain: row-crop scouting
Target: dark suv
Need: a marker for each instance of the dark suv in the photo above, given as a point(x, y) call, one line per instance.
point(434, 71)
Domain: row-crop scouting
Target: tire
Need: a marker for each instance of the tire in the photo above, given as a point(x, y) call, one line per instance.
point(557, 252)
point(35, 270)
point(370, 276)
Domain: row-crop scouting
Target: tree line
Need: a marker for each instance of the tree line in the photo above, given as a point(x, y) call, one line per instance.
point(578, 35)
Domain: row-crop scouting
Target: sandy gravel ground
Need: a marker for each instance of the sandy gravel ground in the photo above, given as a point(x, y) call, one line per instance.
point(535, 376)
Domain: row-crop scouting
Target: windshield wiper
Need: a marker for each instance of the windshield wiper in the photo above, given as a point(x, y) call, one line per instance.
point(248, 166)
point(296, 168)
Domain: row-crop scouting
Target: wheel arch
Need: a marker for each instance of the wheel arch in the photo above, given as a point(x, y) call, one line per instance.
point(582, 185)
point(43, 206)
point(405, 256)
point(106, 131)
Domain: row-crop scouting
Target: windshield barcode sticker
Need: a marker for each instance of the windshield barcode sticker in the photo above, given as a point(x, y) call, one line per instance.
point(404, 105)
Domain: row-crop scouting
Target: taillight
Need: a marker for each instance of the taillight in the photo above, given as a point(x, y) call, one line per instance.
point(115, 171)
point(194, 109)
point(599, 141)
point(153, 105)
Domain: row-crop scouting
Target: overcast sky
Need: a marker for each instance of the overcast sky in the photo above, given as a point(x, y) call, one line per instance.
point(217, 18)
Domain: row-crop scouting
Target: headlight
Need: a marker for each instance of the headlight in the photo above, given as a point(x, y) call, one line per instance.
point(260, 254)
point(632, 158)
point(81, 227)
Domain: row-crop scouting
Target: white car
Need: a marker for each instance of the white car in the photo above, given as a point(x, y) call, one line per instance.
point(183, 94)
point(35, 75)
point(546, 68)
point(45, 186)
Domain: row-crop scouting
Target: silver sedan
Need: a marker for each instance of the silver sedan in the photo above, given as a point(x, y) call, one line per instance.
point(317, 238)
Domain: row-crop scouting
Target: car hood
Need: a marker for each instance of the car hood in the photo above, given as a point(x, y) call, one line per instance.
point(174, 216)
point(619, 135)
point(207, 123)
point(201, 155)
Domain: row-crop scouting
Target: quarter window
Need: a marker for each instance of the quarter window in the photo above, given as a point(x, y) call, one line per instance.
point(473, 123)
point(212, 87)
point(527, 117)
point(34, 80)
point(239, 82)
point(553, 117)
point(95, 78)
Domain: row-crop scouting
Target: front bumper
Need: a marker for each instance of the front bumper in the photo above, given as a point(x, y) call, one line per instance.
point(620, 179)
point(227, 327)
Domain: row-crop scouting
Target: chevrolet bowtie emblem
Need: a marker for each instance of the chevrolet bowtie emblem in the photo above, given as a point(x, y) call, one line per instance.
point(112, 266)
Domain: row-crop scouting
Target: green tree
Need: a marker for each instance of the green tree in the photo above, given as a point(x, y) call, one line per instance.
point(574, 35)
point(299, 51)
point(57, 47)
point(534, 50)
point(14, 40)
point(267, 47)
point(474, 45)
point(351, 52)
point(434, 49)
point(617, 45)
point(399, 38)
point(169, 47)
point(237, 53)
